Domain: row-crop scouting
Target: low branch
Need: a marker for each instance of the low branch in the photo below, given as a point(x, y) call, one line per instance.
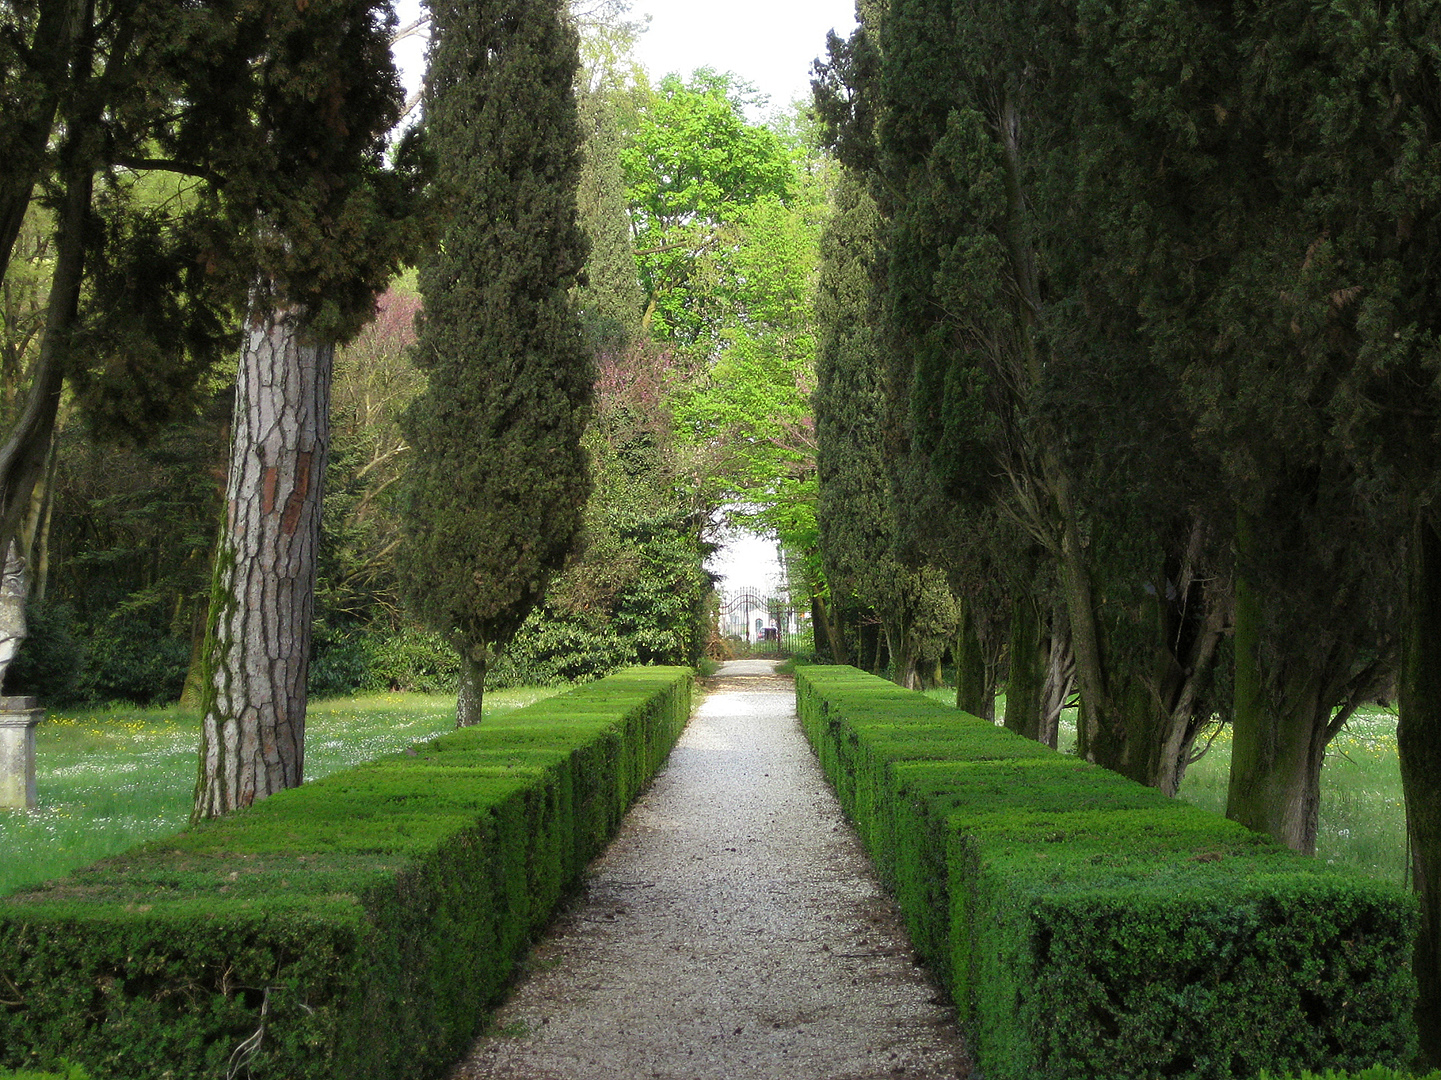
point(182, 168)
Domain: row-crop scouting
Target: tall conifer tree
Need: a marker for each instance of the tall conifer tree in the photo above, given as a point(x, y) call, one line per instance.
point(497, 482)
point(325, 223)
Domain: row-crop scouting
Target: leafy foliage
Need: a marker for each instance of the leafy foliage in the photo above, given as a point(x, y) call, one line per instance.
point(691, 165)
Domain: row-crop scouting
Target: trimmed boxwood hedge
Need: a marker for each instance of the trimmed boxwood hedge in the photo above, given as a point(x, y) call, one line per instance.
point(1376, 1072)
point(1087, 926)
point(358, 926)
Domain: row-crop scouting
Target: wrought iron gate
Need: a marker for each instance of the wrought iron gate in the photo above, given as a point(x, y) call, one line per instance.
point(768, 625)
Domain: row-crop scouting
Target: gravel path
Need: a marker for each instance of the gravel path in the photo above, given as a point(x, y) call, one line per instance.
point(733, 930)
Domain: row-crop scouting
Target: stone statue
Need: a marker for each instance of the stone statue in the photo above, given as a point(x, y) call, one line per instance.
point(13, 589)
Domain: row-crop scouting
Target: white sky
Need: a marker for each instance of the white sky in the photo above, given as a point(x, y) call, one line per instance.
point(770, 43)
point(747, 561)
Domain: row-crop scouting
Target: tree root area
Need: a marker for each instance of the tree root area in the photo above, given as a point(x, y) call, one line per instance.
point(733, 929)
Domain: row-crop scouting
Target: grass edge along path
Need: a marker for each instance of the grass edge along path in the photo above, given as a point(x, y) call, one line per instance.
point(1087, 926)
point(358, 926)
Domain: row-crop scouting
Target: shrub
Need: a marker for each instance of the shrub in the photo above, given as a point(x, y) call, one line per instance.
point(357, 926)
point(49, 661)
point(117, 659)
point(1376, 1072)
point(1087, 926)
point(409, 659)
point(67, 1072)
point(552, 648)
point(134, 663)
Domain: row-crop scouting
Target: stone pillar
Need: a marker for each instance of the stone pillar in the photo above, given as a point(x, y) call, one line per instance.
point(18, 717)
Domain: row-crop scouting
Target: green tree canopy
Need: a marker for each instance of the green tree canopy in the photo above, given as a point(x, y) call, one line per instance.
point(692, 164)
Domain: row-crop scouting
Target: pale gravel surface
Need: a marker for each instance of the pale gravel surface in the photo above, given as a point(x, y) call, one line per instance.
point(733, 930)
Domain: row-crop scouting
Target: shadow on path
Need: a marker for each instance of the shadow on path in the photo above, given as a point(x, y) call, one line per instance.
point(733, 930)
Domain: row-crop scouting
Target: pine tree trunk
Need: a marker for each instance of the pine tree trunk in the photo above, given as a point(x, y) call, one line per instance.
point(257, 649)
point(192, 694)
point(1419, 737)
point(1023, 688)
point(471, 696)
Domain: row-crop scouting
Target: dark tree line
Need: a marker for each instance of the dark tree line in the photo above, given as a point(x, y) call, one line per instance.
point(1149, 373)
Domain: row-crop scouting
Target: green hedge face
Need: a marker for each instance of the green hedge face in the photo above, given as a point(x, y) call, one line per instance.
point(364, 921)
point(1089, 927)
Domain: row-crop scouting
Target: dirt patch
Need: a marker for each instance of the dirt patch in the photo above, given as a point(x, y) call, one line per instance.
point(733, 930)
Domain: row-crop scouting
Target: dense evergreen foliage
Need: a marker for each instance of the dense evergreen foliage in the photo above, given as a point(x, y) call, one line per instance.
point(1151, 281)
point(496, 480)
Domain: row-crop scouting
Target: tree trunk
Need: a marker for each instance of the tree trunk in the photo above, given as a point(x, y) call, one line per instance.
point(903, 662)
point(823, 622)
point(35, 543)
point(1419, 737)
point(36, 101)
point(192, 694)
point(971, 681)
point(26, 450)
point(1276, 754)
point(258, 640)
point(1060, 682)
point(871, 632)
point(1023, 687)
point(471, 696)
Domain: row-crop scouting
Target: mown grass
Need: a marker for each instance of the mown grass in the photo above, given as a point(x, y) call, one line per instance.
point(1362, 817)
point(110, 778)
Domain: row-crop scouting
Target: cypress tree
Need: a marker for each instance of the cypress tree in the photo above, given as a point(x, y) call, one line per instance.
point(610, 299)
point(497, 482)
point(852, 507)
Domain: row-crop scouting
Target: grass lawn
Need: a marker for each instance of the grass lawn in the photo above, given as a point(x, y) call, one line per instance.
point(1362, 817)
point(111, 778)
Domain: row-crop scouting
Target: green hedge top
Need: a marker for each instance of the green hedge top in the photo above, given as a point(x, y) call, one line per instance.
point(1089, 926)
point(361, 922)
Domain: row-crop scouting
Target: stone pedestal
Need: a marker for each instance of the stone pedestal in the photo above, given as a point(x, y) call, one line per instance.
point(18, 717)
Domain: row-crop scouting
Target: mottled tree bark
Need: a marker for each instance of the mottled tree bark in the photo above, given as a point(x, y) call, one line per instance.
point(1419, 737)
point(471, 695)
point(1027, 670)
point(972, 686)
point(257, 648)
